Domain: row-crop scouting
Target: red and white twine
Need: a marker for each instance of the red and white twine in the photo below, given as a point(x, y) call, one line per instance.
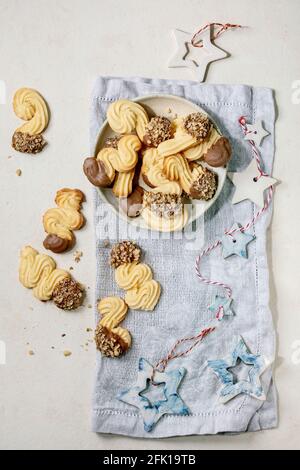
point(220, 29)
point(162, 364)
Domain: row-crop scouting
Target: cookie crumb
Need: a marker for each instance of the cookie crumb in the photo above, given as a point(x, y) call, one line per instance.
point(77, 255)
point(63, 335)
point(106, 243)
point(67, 353)
point(89, 329)
point(18, 172)
point(71, 268)
point(31, 352)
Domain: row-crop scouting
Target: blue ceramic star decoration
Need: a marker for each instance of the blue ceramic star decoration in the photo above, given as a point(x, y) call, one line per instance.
point(230, 388)
point(221, 307)
point(152, 411)
point(236, 244)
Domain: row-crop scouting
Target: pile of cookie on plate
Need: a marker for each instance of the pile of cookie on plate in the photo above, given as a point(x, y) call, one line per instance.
point(156, 166)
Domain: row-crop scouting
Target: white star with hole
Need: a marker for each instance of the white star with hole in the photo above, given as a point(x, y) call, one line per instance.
point(256, 132)
point(195, 58)
point(248, 187)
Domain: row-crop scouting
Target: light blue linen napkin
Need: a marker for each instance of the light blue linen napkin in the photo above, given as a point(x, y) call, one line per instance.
point(182, 309)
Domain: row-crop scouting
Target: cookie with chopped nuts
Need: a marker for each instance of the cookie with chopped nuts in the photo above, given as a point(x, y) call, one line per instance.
point(124, 252)
point(30, 106)
point(158, 130)
point(163, 205)
point(68, 294)
point(205, 183)
point(197, 125)
point(111, 339)
point(26, 143)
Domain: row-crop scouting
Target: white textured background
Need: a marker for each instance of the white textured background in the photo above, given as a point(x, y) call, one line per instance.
point(59, 47)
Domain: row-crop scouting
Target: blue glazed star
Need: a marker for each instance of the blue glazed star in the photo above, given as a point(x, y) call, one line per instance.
point(223, 302)
point(236, 244)
point(252, 386)
point(151, 412)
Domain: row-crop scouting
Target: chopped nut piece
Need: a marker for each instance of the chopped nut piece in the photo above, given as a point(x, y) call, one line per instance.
point(106, 243)
point(89, 329)
point(112, 141)
point(27, 143)
point(67, 353)
point(18, 172)
point(197, 125)
point(30, 352)
point(124, 252)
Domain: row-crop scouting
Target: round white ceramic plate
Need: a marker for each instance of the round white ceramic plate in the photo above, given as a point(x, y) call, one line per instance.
point(161, 105)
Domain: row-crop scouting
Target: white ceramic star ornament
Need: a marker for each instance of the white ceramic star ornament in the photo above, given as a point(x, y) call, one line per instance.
point(249, 185)
point(256, 133)
point(195, 58)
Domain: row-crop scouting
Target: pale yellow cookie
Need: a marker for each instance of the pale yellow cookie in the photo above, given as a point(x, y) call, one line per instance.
point(197, 152)
point(126, 116)
point(176, 168)
point(126, 157)
point(61, 220)
point(113, 310)
point(30, 106)
point(144, 297)
point(170, 187)
point(38, 272)
point(106, 156)
point(180, 142)
point(112, 340)
point(123, 184)
point(132, 275)
point(165, 224)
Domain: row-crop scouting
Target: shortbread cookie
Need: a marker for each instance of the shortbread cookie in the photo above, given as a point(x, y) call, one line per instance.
point(157, 131)
point(165, 224)
point(219, 153)
point(126, 157)
point(189, 131)
point(124, 252)
point(153, 175)
point(204, 184)
point(60, 222)
point(126, 116)
point(176, 168)
point(39, 272)
point(144, 297)
point(123, 184)
point(111, 339)
point(198, 152)
point(30, 106)
point(131, 275)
